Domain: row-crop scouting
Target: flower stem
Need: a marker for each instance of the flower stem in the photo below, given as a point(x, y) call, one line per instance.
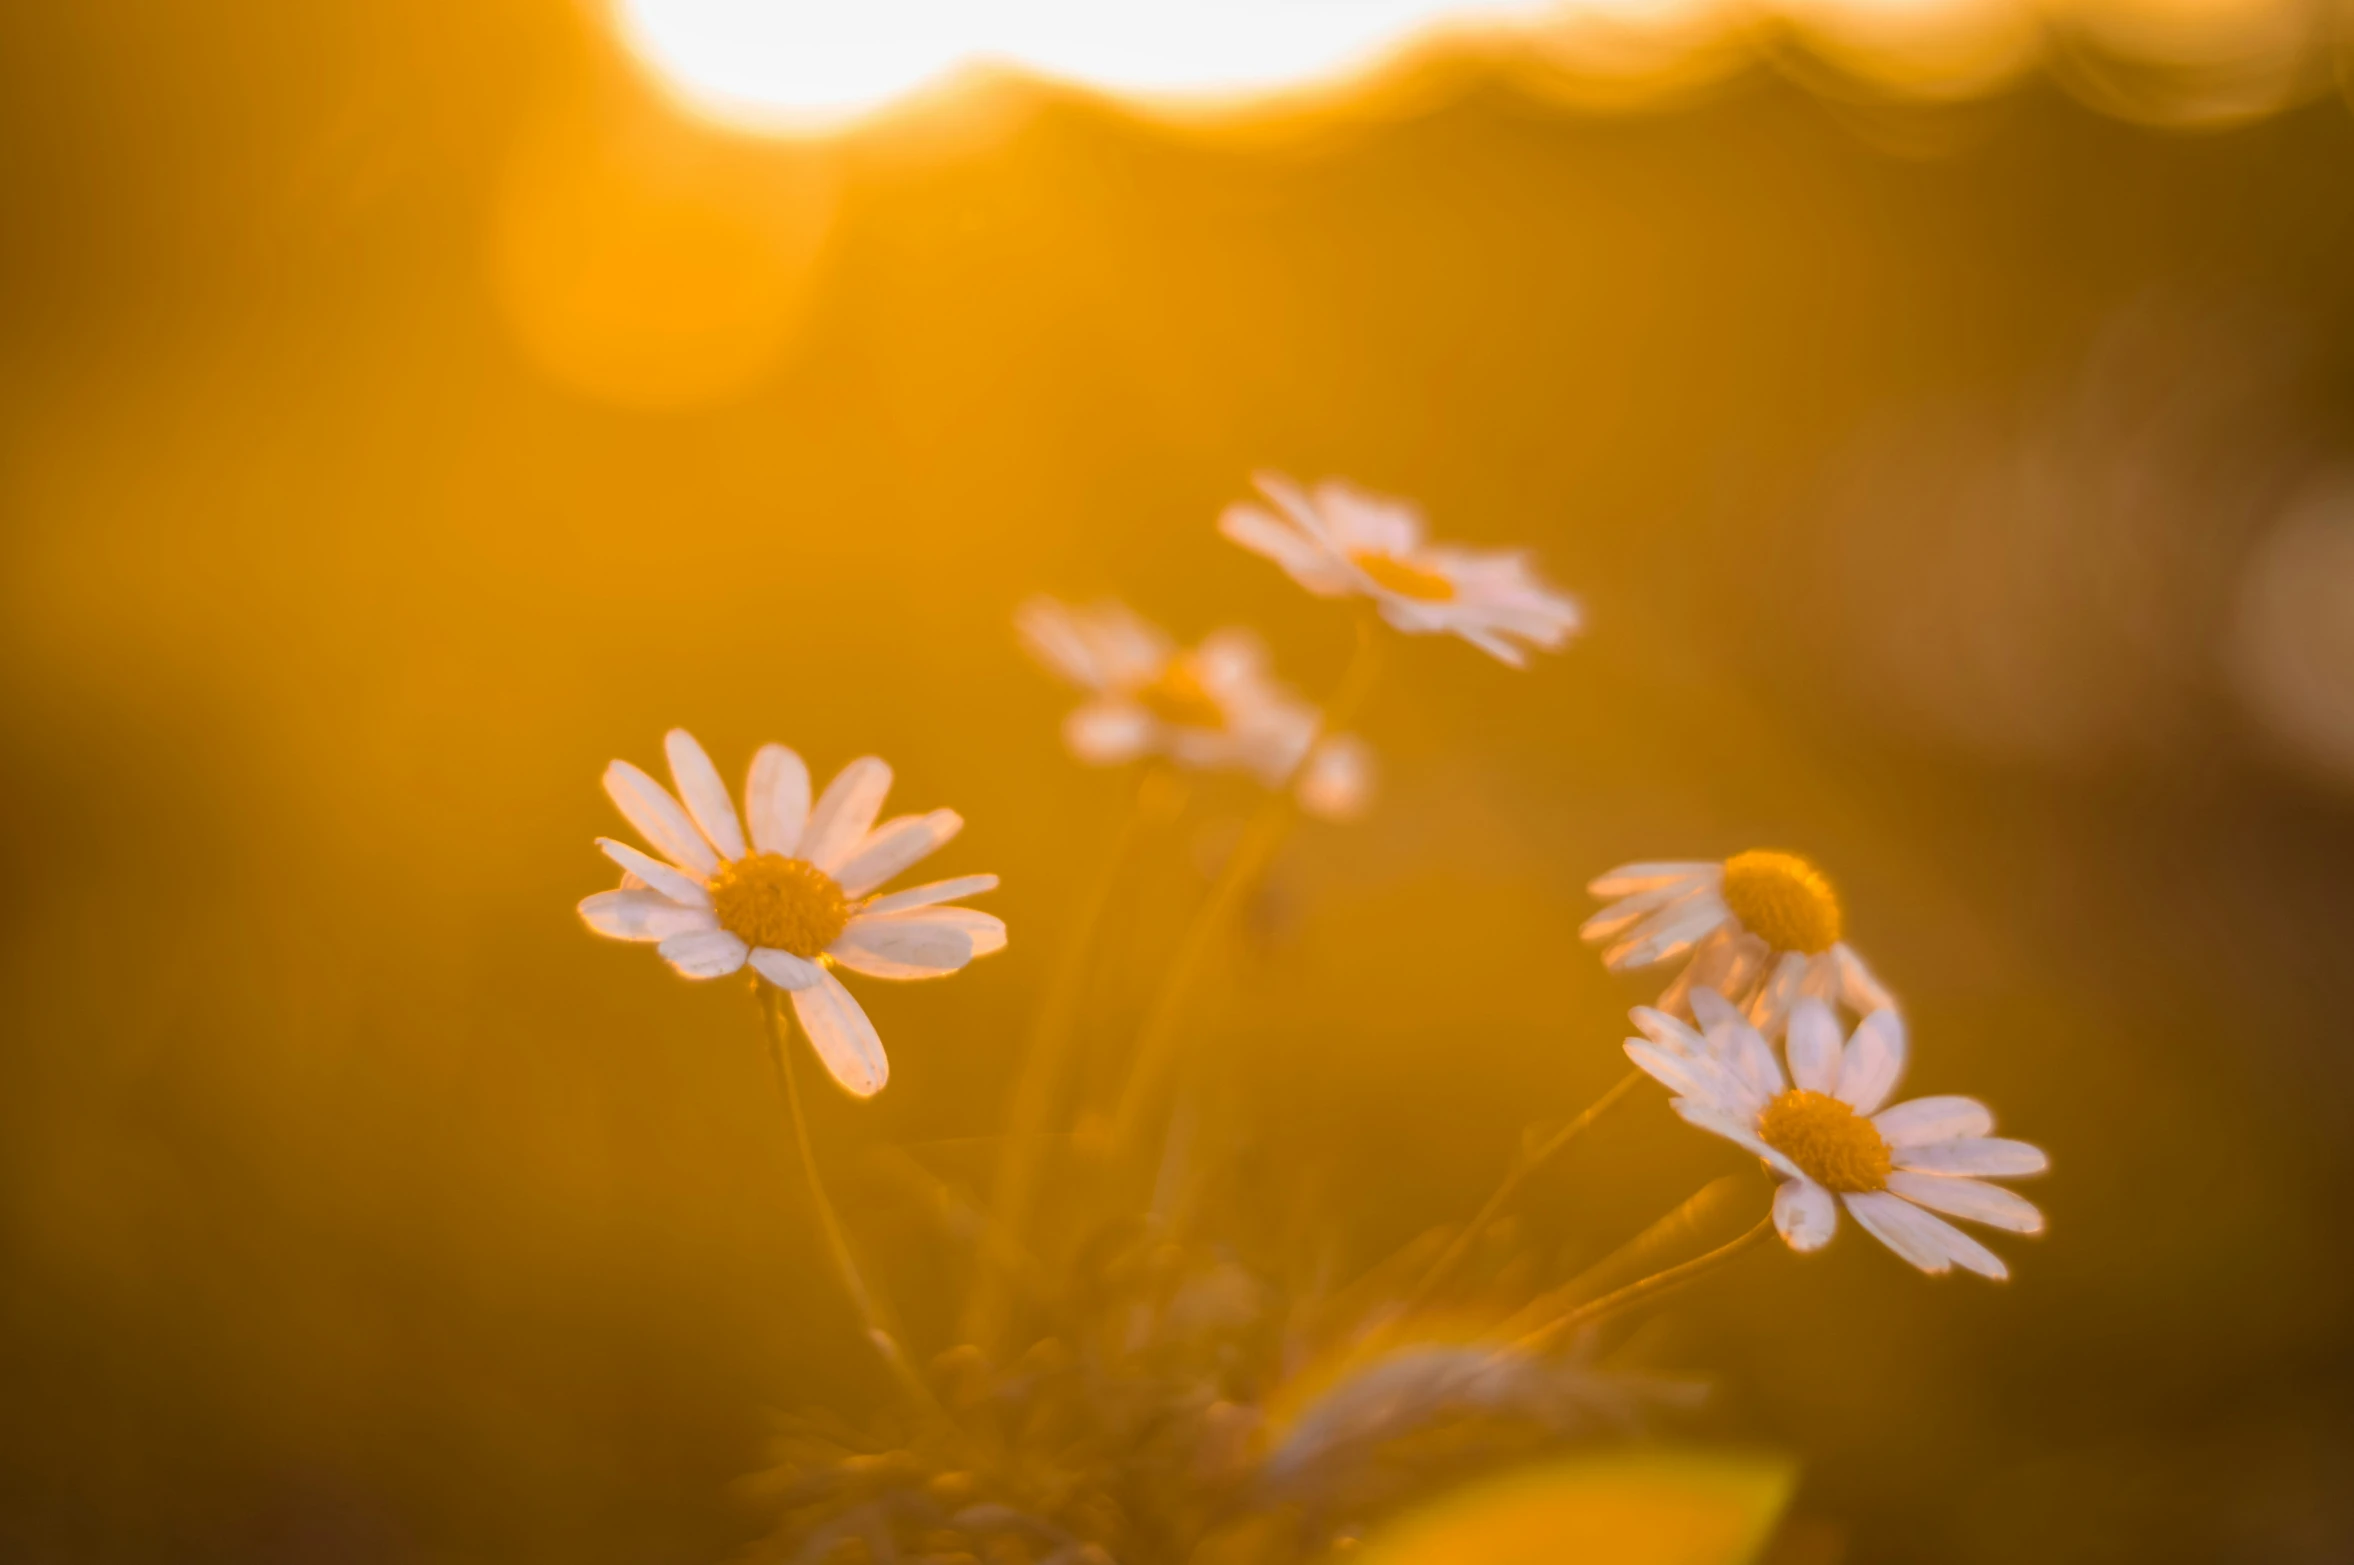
point(1657, 1285)
point(1038, 1090)
point(1452, 1257)
point(1156, 1042)
point(772, 1009)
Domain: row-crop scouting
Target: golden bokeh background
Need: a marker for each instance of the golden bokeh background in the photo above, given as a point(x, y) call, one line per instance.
point(410, 408)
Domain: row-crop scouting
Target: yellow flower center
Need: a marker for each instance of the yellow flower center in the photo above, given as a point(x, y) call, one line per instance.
point(1837, 1148)
point(1403, 577)
point(1783, 900)
point(1177, 696)
point(766, 899)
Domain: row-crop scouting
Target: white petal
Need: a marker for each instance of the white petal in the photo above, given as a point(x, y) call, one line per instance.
point(1735, 1129)
point(1858, 989)
point(1971, 1198)
point(845, 812)
point(905, 945)
point(705, 953)
point(1336, 784)
point(1780, 991)
point(1629, 911)
point(642, 915)
point(1671, 936)
point(1628, 879)
point(784, 969)
point(1667, 1031)
point(1052, 635)
point(1974, 1155)
point(1931, 1243)
point(894, 846)
point(1923, 1120)
point(1110, 733)
point(1875, 1059)
point(934, 891)
point(1813, 1047)
point(1739, 1045)
point(985, 930)
point(1903, 1227)
point(1805, 1214)
point(1305, 560)
point(705, 795)
point(648, 806)
point(842, 1036)
point(1683, 1074)
point(672, 883)
point(777, 800)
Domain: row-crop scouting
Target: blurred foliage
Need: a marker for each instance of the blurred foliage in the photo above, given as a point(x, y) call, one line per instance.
point(1657, 1507)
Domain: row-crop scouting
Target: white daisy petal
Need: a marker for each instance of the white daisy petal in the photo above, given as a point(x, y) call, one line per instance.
point(642, 915)
point(842, 1036)
point(1805, 1215)
point(1666, 1031)
point(1875, 1059)
point(705, 953)
point(648, 807)
point(784, 969)
point(845, 812)
point(1813, 1047)
point(1987, 1155)
point(1683, 1074)
point(704, 794)
point(1629, 879)
point(937, 891)
point(1301, 557)
point(1859, 991)
point(1971, 1198)
point(985, 930)
point(1929, 1242)
point(894, 846)
point(1923, 1120)
point(1110, 733)
point(1736, 1129)
point(1660, 941)
point(909, 945)
point(777, 800)
point(1912, 1233)
point(1629, 911)
point(1052, 635)
point(672, 883)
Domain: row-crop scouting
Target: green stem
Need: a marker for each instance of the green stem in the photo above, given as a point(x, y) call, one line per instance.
point(1452, 1257)
point(878, 1334)
point(1652, 1287)
point(1038, 1090)
point(1156, 1042)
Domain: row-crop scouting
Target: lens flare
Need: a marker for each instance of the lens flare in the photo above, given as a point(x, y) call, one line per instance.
point(809, 65)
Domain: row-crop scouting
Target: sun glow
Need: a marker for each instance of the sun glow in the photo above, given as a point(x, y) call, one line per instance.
point(810, 64)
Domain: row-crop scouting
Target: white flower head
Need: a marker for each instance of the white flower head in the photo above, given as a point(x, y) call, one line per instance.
point(798, 898)
point(1214, 707)
point(1339, 541)
point(1826, 1134)
point(1762, 929)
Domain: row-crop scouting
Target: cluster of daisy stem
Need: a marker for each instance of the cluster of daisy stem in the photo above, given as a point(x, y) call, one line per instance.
point(1042, 1086)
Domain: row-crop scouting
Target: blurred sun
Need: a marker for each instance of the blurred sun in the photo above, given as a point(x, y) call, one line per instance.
point(810, 64)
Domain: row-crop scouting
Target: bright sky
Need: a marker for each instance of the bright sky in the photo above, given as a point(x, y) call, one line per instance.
point(819, 62)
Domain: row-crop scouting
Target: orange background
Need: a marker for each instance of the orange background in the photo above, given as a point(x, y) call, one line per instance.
point(407, 411)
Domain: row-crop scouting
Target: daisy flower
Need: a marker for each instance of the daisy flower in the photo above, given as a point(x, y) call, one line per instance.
point(1215, 707)
point(1341, 542)
point(1825, 1130)
point(1761, 929)
point(795, 900)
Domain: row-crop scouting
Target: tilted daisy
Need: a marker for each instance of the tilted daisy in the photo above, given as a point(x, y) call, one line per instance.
point(1339, 541)
point(1825, 1132)
point(1214, 707)
point(1761, 929)
point(795, 900)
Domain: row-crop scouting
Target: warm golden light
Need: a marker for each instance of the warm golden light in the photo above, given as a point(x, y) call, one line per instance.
point(802, 64)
